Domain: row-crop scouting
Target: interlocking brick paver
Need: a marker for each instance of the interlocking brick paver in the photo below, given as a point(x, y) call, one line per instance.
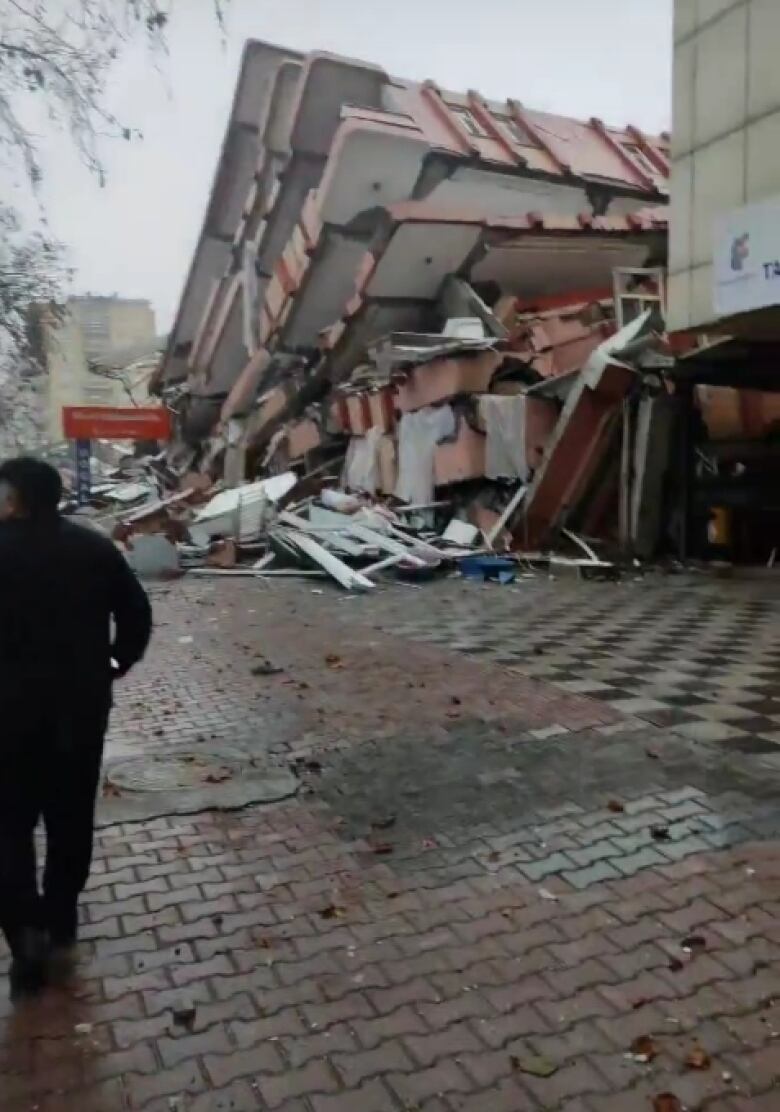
point(443, 1078)
point(371, 1097)
point(211, 1041)
point(436, 967)
point(223, 1068)
point(313, 1078)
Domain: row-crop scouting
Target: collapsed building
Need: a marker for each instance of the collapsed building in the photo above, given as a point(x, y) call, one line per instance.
point(419, 290)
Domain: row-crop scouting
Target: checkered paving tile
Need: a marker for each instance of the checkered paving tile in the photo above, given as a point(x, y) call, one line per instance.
point(699, 657)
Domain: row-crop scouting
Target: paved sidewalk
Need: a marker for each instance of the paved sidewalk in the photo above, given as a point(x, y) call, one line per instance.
point(488, 894)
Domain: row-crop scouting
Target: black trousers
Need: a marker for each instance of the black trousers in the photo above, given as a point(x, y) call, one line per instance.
point(49, 769)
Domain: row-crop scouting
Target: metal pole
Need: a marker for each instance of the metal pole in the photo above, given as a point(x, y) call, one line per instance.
point(625, 479)
point(83, 471)
point(686, 471)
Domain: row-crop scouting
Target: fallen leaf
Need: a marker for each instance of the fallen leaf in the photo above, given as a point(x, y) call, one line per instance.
point(334, 661)
point(386, 823)
point(494, 856)
point(382, 849)
point(694, 942)
point(698, 1059)
point(660, 832)
point(111, 791)
point(615, 806)
point(676, 965)
point(534, 1064)
point(639, 1003)
point(332, 912)
point(666, 1102)
point(644, 1049)
point(217, 777)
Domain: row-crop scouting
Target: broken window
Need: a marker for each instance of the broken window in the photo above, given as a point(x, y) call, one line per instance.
point(472, 124)
point(640, 158)
point(517, 134)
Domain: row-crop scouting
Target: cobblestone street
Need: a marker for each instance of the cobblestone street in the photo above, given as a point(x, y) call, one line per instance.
point(457, 849)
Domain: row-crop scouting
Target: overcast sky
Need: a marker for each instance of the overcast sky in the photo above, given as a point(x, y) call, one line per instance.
point(606, 58)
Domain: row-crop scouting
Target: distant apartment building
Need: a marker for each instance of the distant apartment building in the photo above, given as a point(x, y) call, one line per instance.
point(724, 255)
point(101, 352)
point(111, 325)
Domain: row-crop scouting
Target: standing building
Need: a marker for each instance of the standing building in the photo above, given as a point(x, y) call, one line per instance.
point(725, 167)
point(88, 350)
point(724, 263)
point(111, 325)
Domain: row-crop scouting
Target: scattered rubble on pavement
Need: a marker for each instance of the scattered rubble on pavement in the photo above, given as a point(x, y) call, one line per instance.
point(343, 523)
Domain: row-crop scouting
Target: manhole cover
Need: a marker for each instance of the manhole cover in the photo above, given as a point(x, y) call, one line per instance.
point(237, 778)
point(166, 772)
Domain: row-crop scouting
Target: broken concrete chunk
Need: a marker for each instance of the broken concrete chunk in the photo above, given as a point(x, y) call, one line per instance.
point(153, 556)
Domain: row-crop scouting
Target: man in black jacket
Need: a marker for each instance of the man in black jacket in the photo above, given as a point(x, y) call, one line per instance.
point(61, 585)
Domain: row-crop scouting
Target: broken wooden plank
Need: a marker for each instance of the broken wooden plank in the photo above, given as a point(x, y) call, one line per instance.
point(509, 509)
point(343, 574)
point(387, 544)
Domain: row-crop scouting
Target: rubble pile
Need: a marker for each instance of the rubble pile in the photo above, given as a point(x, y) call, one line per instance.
point(271, 529)
point(510, 439)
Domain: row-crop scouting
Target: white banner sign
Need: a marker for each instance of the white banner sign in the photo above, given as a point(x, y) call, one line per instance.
point(747, 258)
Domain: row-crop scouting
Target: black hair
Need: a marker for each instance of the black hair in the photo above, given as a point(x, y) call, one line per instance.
point(37, 484)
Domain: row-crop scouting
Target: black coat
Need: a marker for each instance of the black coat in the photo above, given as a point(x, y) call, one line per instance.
point(61, 585)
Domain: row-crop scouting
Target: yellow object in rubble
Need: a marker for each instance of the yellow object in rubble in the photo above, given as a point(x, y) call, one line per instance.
point(719, 529)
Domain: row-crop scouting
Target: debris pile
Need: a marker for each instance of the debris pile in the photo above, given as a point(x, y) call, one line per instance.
point(271, 529)
point(414, 298)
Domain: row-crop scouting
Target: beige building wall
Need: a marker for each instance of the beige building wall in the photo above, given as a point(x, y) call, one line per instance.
point(92, 329)
point(112, 324)
point(725, 136)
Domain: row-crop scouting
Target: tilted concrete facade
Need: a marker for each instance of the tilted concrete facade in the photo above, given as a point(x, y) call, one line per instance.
point(344, 197)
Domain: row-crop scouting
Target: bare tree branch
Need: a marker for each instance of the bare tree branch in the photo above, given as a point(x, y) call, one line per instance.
point(60, 53)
